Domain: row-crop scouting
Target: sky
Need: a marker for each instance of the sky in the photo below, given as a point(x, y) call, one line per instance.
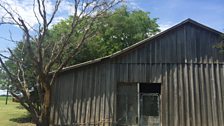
point(171, 12)
point(3, 92)
point(168, 12)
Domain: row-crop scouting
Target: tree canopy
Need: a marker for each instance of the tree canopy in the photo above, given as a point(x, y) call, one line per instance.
point(119, 29)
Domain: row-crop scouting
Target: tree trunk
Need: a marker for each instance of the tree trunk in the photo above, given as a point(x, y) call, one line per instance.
point(7, 95)
point(45, 113)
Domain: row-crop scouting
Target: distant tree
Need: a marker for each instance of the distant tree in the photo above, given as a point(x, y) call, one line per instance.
point(42, 54)
point(3, 79)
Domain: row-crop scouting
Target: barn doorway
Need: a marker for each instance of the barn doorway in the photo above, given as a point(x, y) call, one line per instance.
point(138, 104)
point(149, 104)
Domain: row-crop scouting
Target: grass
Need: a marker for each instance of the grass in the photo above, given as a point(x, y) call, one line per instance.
point(12, 114)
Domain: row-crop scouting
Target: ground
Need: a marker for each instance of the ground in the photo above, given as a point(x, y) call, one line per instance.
point(13, 114)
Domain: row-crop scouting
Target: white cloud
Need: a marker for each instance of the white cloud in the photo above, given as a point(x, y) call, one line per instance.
point(25, 9)
point(22, 8)
point(166, 25)
point(66, 7)
point(163, 27)
point(133, 4)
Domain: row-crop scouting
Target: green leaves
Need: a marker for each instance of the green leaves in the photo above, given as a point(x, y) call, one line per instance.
point(124, 28)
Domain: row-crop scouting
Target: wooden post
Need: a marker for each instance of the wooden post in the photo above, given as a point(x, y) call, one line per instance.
point(138, 91)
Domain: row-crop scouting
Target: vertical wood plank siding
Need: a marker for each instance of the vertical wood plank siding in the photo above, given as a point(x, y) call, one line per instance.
point(190, 70)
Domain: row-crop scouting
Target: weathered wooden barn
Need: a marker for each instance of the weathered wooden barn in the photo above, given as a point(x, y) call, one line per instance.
point(175, 78)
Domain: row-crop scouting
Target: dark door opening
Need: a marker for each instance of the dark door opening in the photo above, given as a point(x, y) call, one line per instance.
point(149, 101)
point(138, 104)
point(150, 88)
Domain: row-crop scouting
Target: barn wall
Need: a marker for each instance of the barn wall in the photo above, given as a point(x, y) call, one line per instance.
point(183, 60)
point(192, 95)
point(84, 97)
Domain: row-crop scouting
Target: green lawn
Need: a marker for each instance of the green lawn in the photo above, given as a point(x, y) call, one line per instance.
point(11, 113)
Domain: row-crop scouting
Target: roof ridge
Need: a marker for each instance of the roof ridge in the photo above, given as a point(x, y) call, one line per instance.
point(189, 20)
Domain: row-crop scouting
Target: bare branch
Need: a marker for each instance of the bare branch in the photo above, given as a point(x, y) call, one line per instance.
point(6, 57)
point(10, 40)
point(39, 8)
point(11, 16)
point(54, 12)
point(7, 22)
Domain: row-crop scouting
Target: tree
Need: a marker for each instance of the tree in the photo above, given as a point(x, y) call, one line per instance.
point(121, 29)
point(43, 54)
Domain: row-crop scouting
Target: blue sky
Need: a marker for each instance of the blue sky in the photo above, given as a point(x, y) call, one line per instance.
point(170, 12)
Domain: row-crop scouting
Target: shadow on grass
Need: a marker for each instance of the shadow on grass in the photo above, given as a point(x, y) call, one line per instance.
point(23, 119)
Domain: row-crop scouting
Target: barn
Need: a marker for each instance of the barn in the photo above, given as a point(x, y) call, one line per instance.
point(175, 78)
